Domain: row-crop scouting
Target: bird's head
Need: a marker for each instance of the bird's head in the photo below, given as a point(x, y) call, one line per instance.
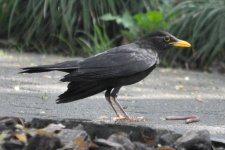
point(160, 40)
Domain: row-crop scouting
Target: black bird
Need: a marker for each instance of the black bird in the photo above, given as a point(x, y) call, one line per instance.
point(112, 69)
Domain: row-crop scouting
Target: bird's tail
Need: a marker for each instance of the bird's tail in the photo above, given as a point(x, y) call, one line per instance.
point(67, 66)
point(80, 90)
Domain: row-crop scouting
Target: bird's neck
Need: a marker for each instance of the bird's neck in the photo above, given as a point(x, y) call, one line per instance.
point(145, 44)
point(161, 53)
point(149, 45)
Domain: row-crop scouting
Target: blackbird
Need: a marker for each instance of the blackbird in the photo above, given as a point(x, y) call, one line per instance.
point(110, 70)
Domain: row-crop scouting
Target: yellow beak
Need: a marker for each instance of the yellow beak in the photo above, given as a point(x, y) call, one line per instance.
point(181, 43)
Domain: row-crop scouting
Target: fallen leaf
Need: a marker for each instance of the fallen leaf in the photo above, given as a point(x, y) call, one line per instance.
point(93, 145)
point(54, 127)
point(199, 98)
point(104, 117)
point(40, 131)
point(3, 135)
point(165, 148)
point(79, 142)
point(21, 137)
point(44, 97)
point(51, 129)
point(19, 126)
point(179, 87)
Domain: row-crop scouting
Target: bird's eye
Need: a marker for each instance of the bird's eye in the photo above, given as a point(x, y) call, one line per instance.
point(167, 38)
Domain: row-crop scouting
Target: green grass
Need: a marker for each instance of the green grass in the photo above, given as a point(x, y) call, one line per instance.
point(55, 26)
point(201, 22)
point(81, 27)
point(139, 24)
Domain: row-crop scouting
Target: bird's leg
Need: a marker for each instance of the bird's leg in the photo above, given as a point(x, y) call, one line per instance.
point(107, 97)
point(113, 96)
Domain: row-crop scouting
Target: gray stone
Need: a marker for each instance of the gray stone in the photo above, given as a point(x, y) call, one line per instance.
point(220, 148)
point(117, 141)
point(103, 143)
point(218, 142)
point(194, 140)
point(10, 122)
point(75, 139)
point(169, 138)
point(141, 146)
point(123, 139)
point(44, 142)
point(13, 145)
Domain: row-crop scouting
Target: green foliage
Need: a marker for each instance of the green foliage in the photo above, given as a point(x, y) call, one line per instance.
point(126, 19)
point(94, 43)
point(55, 25)
point(5, 10)
point(152, 20)
point(202, 23)
point(138, 24)
point(86, 27)
point(52, 25)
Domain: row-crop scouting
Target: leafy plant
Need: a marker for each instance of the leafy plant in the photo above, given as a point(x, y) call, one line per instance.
point(138, 24)
point(5, 10)
point(152, 20)
point(202, 23)
point(55, 25)
point(94, 43)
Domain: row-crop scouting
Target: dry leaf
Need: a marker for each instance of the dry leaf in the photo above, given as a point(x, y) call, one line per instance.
point(199, 98)
point(44, 97)
point(179, 87)
point(165, 148)
point(50, 129)
point(21, 137)
point(41, 132)
point(104, 117)
point(79, 141)
point(3, 135)
point(19, 126)
point(93, 145)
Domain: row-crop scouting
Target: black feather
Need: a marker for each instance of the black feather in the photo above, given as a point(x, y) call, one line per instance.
point(80, 90)
point(67, 66)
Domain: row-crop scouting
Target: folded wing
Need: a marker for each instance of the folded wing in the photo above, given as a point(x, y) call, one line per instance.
point(118, 62)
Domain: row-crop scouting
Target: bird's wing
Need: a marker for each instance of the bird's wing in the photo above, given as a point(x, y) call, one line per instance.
point(118, 62)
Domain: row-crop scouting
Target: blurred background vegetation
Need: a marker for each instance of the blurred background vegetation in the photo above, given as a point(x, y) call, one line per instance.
point(87, 27)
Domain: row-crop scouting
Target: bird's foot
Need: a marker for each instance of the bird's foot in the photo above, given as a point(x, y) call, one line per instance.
point(188, 119)
point(128, 119)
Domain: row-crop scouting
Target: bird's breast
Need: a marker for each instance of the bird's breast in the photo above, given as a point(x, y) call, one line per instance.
point(128, 80)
